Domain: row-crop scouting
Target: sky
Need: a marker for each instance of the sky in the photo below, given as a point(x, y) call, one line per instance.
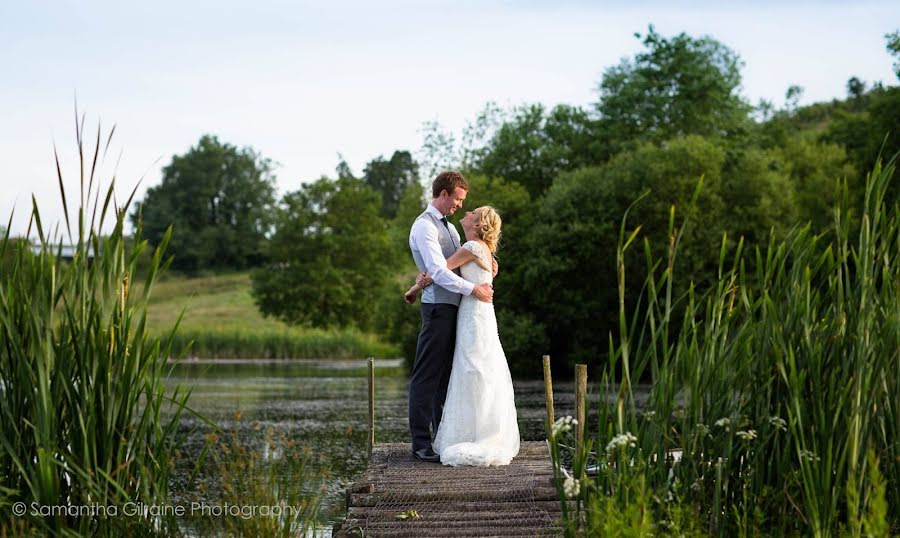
point(301, 82)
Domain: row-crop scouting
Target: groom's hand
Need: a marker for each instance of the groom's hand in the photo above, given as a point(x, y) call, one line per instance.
point(483, 292)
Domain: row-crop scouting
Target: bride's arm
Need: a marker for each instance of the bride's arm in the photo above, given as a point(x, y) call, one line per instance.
point(458, 259)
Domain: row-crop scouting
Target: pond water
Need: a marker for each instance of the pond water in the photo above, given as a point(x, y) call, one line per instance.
point(322, 405)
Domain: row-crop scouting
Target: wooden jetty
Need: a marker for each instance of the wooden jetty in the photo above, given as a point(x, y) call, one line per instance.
point(401, 496)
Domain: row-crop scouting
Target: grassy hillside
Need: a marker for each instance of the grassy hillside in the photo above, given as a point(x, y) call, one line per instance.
point(222, 321)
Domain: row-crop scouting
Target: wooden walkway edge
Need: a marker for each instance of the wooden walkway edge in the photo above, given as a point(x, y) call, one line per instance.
point(399, 496)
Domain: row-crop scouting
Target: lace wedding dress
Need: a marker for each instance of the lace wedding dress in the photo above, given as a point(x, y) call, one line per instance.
point(479, 425)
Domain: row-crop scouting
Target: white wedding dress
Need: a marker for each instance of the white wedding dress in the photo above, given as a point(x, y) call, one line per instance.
point(478, 426)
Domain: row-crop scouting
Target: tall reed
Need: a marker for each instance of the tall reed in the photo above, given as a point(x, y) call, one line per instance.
point(81, 420)
point(276, 476)
point(773, 406)
point(281, 343)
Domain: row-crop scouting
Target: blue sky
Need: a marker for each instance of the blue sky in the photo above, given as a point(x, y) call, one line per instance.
point(303, 81)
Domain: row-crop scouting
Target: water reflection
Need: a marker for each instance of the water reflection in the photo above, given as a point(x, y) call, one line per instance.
point(324, 406)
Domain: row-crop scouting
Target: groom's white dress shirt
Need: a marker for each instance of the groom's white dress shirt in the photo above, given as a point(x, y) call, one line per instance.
point(424, 237)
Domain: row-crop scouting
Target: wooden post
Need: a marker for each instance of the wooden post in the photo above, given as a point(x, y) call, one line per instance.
point(580, 398)
point(371, 438)
point(548, 393)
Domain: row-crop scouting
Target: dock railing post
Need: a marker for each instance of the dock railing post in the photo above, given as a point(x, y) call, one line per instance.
point(371, 437)
point(580, 401)
point(548, 394)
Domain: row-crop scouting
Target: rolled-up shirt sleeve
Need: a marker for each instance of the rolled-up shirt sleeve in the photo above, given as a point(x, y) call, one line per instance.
point(426, 239)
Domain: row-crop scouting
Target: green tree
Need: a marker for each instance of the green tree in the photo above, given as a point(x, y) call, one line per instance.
point(220, 200)
point(570, 272)
point(792, 97)
point(534, 145)
point(893, 48)
point(390, 178)
point(677, 86)
point(329, 257)
point(343, 168)
point(813, 168)
point(397, 321)
point(523, 335)
point(856, 88)
point(869, 132)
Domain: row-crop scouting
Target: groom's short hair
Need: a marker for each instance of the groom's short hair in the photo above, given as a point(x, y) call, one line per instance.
point(448, 181)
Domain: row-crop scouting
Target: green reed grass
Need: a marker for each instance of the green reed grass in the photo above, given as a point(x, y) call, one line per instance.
point(270, 471)
point(81, 419)
point(780, 386)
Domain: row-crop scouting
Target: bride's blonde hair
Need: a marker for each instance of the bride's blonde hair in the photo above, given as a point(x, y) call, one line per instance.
point(490, 227)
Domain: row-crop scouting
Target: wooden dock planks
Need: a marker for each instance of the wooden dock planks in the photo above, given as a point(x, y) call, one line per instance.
point(512, 500)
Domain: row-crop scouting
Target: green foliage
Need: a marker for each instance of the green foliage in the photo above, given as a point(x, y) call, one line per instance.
point(869, 131)
point(283, 475)
point(220, 201)
point(329, 257)
point(570, 242)
point(778, 390)
point(391, 179)
point(218, 318)
point(523, 336)
point(535, 145)
point(412, 203)
point(282, 343)
point(81, 417)
point(677, 86)
point(893, 48)
point(759, 195)
point(398, 322)
point(812, 168)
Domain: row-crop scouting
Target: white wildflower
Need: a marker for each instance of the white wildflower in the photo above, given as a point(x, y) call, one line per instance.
point(563, 425)
point(724, 423)
point(621, 441)
point(571, 487)
point(747, 435)
point(702, 429)
point(809, 455)
point(779, 423)
point(649, 415)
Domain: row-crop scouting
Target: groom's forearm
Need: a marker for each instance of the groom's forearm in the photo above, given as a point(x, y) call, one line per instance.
point(449, 280)
point(436, 267)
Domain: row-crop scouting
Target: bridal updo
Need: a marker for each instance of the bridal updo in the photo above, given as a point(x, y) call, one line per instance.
point(489, 228)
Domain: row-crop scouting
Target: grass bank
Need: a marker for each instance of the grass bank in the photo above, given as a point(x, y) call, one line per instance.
point(221, 320)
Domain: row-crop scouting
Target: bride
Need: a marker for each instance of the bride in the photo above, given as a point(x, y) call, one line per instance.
point(479, 424)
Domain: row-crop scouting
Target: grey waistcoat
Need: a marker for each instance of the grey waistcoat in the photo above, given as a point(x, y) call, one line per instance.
point(435, 293)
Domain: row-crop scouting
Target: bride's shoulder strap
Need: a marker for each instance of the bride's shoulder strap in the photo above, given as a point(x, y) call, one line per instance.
point(480, 252)
point(473, 246)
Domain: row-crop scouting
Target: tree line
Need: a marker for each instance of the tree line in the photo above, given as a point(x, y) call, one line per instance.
point(334, 251)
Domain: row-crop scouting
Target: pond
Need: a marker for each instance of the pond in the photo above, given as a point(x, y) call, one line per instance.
point(322, 405)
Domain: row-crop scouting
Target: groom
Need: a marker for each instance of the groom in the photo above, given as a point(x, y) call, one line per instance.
point(432, 240)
